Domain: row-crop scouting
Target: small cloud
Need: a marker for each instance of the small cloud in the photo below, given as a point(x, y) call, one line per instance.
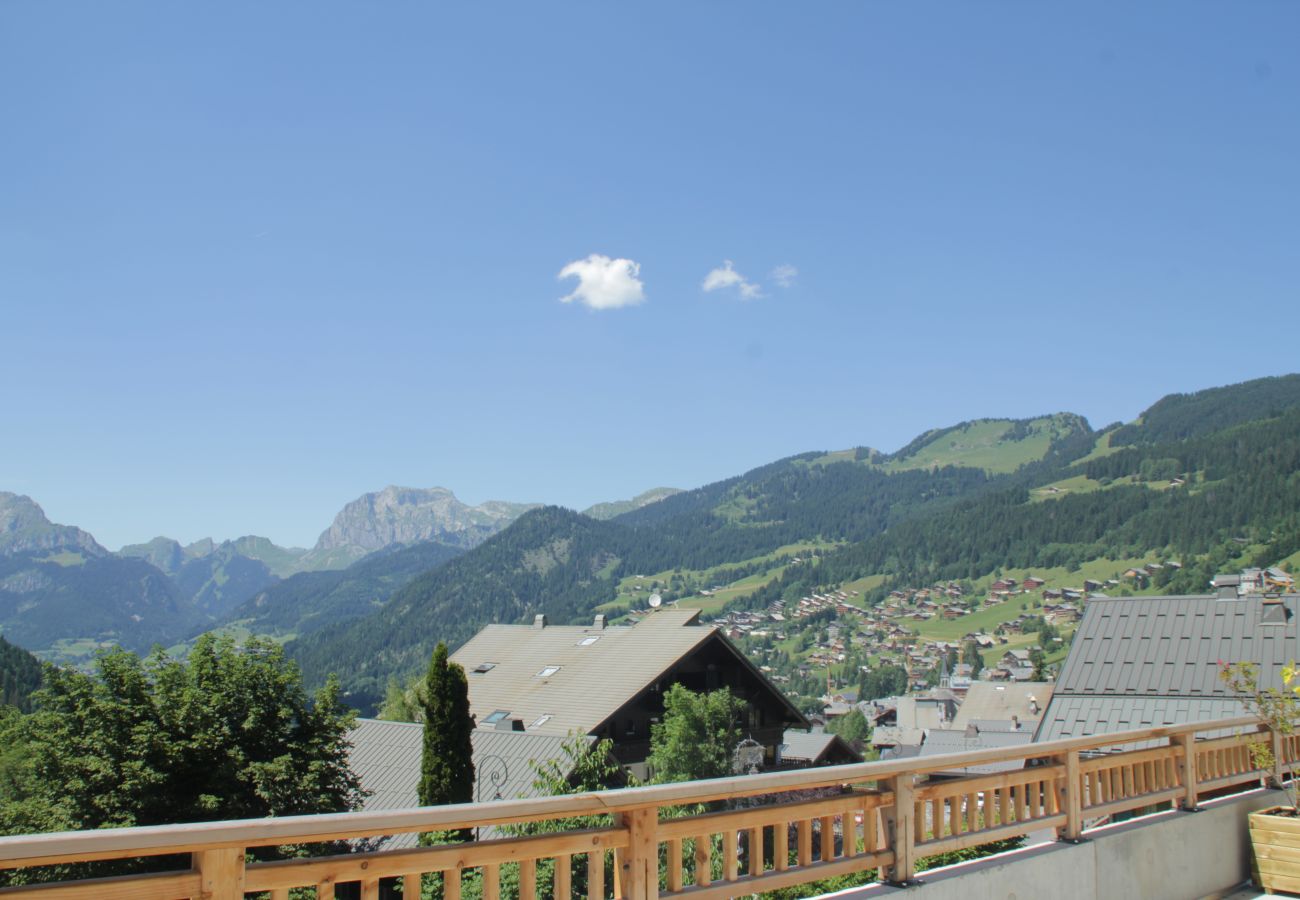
point(604, 283)
point(784, 275)
point(725, 277)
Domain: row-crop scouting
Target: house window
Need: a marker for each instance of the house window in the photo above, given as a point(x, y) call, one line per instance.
point(496, 717)
point(484, 667)
point(548, 671)
point(589, 640)
point(540, 721)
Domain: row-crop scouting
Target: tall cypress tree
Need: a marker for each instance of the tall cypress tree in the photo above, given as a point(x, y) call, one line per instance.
point(447, 765)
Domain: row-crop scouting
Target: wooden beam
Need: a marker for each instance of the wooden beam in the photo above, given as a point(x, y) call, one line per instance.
point(902, 844)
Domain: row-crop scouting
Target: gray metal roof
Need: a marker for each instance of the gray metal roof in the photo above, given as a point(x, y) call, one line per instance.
point(939, 741)
point(579, 676)
point(1155, 660)
point(386, 757)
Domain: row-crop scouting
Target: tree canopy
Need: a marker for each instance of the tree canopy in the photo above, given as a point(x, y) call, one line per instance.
point(228, 733)
point(697, 736)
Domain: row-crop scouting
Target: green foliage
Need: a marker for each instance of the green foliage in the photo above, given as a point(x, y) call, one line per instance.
point(970, 654)
point(852, 728)
point(1276, 707)
point(1181, 416)
point(883, 681)
point(20, 675)
point(227, 734)
point(447, 761)
point(697, 736)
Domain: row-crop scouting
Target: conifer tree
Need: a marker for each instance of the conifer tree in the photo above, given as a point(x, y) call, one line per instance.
point(447, 764)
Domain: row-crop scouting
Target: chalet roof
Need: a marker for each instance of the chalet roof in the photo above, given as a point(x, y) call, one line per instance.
point(988, 702)
point(386, 757)
point(812, 745)
point(1155, 660)
point(579, 676)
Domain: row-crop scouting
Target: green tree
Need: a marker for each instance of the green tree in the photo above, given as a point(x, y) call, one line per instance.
point(447, 762)
point(228, 733)
point(970, 654)
point(853, 728)
point(697, 736)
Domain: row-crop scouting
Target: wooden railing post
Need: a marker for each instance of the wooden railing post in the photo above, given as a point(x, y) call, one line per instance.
point(1072, 802)
point(903, 838)
point(1187, 769)
point(222, 873)
point(638, 864)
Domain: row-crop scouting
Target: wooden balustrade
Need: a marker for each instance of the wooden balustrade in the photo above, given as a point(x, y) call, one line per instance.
point(761, 832)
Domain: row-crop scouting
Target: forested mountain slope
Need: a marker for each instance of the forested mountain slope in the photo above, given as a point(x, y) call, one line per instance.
point(20, 674)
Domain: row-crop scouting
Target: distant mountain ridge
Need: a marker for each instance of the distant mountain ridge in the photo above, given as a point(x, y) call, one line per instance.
point(615, 508)
point(25, 529)
point(403, 515)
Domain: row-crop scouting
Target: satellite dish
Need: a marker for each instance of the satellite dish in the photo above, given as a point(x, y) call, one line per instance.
point(656, 601)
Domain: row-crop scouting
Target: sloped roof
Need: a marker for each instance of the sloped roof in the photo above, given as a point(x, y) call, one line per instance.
point(1155, 660)
point(947, 740)
point(386, 757)
point(591, 672)
point(988, 703)
point(811, 745)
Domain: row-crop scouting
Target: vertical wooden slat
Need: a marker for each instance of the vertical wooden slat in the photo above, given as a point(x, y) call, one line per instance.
point(849, 830)
point(221, 873)
point(410, 887)
point(325, 890)
point(805, 842)
point(972, 812)
point(637, 864)
point(280, 894)
point(527, 879)
point(781, 846)
point(1022, 812)
point(703, 860)
point(563, 877)
point(756, 851)
point(870, 837)
point(596, 875)
point(675, 865)
point(370, 889)
point(729, 851)
point(1004, 806)
point(450, 885)
point(492, 881)
point(828, 838)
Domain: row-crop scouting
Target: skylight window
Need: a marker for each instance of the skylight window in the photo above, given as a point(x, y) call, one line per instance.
point(548, 671)
point(496, 717)
point(541, 720)
point(484, 667)
point(589, 640)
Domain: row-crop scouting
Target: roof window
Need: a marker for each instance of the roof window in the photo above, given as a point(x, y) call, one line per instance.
point(496, 717)
point(548, 671)
point(589, 640)
point(484, 667)
point(541, 720)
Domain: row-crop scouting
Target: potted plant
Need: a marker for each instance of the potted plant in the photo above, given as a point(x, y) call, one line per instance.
point(1274, 832)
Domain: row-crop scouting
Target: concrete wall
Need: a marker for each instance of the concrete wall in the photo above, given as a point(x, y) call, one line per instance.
point(1167, 856)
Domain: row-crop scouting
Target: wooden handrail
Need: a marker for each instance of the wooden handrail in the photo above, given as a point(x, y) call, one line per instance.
point(893, 823)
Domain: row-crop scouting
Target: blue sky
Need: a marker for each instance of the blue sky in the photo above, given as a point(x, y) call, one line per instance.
point(257, 259)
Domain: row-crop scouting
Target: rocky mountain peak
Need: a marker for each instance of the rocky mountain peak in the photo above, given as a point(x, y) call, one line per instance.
point(403, 515)
point(24, 528)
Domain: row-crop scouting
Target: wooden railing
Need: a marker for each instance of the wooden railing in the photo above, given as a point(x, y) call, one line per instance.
point(760, 832)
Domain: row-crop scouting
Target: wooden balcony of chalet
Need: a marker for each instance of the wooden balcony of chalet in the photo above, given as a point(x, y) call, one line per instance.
point(761, 832)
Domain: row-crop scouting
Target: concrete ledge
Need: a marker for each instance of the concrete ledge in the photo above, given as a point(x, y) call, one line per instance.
point(1166, 856)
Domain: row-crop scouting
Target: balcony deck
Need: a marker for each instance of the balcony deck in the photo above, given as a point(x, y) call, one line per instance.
point(762, 832)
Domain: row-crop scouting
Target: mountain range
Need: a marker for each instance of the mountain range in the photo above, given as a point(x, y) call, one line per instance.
point(1207, 478)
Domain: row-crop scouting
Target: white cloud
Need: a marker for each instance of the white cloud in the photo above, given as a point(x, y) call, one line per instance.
point(604, 283)
point(725, 276)
point(785, 274)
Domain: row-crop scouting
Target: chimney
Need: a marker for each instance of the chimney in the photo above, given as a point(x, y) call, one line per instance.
point(600, 622)
point(1033, 705)
point(539, 620)
point(510, 725)
point(1015, 723)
